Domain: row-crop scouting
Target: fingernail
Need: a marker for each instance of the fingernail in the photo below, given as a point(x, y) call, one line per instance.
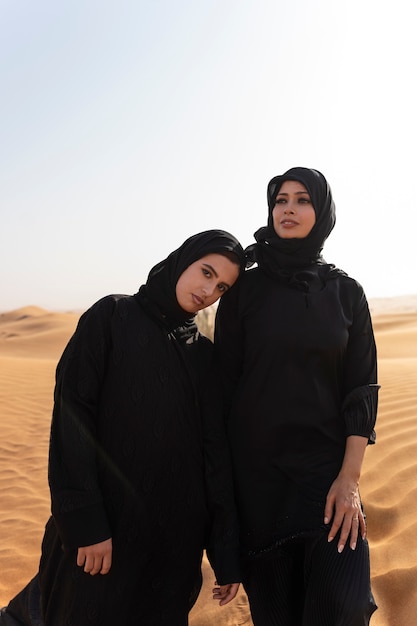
point(329, 539)
point(353, 546)
point(326, 520)
point(340, 549)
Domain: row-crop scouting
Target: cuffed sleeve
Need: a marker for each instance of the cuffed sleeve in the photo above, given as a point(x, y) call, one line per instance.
point(359, 411)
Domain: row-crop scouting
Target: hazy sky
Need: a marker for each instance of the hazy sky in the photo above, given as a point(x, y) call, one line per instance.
point(127, 126)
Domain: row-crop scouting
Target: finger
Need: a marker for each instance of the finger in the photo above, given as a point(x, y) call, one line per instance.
point(226, 597)
point(93, 564)
point(354, 533)
point(219, 592)
point(337, 523)
point(80, 558)
point(97, 565)
point(344, 533)
point(225, 600)
point(362, 524)
point(106, 564)
point(88, 563)
point(350, 527)
point(232, 592)
point(328, 511)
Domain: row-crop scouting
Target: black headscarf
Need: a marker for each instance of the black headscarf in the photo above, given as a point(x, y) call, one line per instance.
point(297, 260)
point(158, 295)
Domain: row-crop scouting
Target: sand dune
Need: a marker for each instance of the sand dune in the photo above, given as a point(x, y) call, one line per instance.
point(31, 341)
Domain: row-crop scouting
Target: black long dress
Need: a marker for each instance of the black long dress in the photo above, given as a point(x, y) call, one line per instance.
point(137, 454)
point(299, 372)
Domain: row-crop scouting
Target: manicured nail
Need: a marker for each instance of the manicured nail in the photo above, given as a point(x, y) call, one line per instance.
point(326, 520)
point(353, 546)
point(340, 549)
point(329, 539)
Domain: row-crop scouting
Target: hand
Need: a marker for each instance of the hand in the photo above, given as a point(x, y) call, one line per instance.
point(225, 593)
point(344, 506)
point(96, 559)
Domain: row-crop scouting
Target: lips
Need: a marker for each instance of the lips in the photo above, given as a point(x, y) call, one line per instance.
point(197, 300)
point(288, 223)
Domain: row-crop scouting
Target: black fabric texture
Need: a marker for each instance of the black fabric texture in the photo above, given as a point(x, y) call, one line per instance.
point(338, 588)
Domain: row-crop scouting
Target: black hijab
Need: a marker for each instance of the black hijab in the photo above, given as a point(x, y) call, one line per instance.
point(297, 261)
point(158, 295)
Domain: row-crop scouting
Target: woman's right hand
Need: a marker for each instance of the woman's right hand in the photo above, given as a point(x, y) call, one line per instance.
point(225, 593)
point(96, 559)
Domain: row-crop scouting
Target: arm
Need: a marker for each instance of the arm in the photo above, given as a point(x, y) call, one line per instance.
point(77, 504)
point(343, 505)
point(223, 543)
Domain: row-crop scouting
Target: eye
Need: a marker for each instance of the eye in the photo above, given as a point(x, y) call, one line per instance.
point(304, 200)
point(222, 287)
point(206, 272)
point(280, 201)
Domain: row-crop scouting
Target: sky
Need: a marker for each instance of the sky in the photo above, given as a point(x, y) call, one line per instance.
point(127, 126)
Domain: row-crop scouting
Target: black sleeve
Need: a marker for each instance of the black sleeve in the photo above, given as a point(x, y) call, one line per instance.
point(361, 389)
point(223, 543)
point(77, 504)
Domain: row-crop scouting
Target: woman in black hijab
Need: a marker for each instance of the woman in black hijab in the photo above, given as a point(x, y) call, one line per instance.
point(138, 469)
point(297, 356)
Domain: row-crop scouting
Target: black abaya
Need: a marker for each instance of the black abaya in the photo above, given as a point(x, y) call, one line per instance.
point(137, 453)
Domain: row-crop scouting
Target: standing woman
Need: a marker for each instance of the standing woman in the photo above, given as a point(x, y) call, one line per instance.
point(296, 350)
point(139, 471)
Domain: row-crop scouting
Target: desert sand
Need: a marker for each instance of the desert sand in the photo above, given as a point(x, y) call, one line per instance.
point(31, 341)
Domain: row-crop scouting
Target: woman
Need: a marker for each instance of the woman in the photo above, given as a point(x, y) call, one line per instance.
point(139, 470)
point(296, 351)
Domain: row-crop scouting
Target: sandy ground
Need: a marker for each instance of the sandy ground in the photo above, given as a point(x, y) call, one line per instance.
point(31, 341)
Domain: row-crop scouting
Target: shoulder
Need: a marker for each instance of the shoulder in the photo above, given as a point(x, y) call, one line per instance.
point(251, 281)
point(110, 304)
point(351, 296)
point(350, 287)
point(107, 310)
point(247, 292)
point(251, 276)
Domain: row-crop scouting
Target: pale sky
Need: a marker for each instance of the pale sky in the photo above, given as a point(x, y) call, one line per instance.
point(127, 126)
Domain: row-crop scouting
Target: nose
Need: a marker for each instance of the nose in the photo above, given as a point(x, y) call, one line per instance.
point(289, 208)
point(208, 290)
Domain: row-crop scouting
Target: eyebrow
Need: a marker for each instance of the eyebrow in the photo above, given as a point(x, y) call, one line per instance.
point(211, 268)
point(284, 193)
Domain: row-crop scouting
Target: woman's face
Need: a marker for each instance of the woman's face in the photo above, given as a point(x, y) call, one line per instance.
point(293, 214)
point(204, 281)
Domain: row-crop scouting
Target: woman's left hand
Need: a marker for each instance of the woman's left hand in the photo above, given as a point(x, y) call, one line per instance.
point(343, 508)
point(225, 593)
